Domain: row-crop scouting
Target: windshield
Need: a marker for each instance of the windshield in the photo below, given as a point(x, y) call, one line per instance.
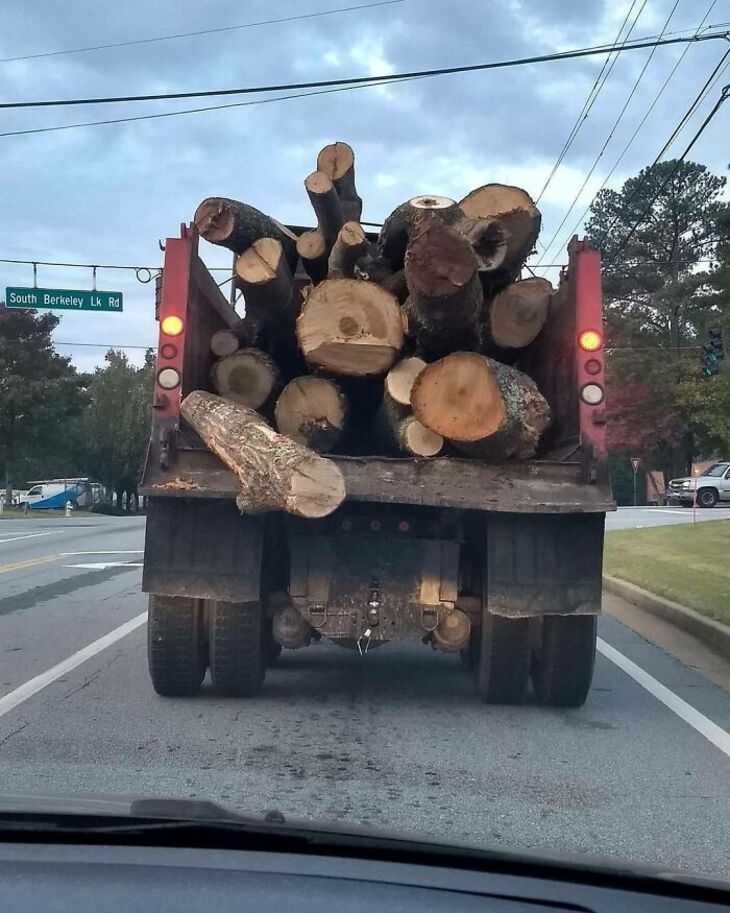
point(379, 330)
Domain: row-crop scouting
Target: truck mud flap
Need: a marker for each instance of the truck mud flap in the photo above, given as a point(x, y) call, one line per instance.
point(203, 549)
point(543, 564)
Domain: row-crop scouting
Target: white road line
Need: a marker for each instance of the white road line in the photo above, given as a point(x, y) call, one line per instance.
point(103, 565)
point(118, 551)
point(34, 685)
point(698, 721)
point(26, 536)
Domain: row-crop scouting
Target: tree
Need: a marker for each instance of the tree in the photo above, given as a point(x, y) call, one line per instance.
point(116, 423)
point(41, 393)
point(659, 299)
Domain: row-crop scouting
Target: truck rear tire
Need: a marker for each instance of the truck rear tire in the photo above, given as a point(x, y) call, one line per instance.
point(237, 648)
point(562, 666)
point(177, 652)
point(502, 659)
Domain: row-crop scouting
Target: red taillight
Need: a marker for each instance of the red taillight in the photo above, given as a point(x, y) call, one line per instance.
point(590, 340)
point(168, 350)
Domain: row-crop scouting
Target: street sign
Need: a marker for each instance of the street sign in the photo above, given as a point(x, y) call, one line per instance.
point(63, 299)
point(635, 463)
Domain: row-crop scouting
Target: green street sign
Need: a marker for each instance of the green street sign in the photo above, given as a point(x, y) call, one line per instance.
point(63, 299)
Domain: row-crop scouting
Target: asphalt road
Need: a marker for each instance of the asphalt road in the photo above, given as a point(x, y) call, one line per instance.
point(640, 517)
point(397, 739)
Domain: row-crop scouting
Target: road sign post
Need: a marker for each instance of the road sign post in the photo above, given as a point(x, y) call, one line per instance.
point(63, 299)
point(635, 463)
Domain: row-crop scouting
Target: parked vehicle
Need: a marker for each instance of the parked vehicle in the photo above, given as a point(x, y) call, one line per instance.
point(56, 493)
point(712, 487)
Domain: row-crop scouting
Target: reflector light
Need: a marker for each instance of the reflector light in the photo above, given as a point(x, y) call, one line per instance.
point(592, 394)
point(346, 525)
point(168, 378)
point(404, 526)
point(590, 341)
point(593, 366)
point(172, 325)
point(168, 350)
point(375, 525)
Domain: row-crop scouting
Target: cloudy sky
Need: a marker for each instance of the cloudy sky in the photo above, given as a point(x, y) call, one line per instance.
point(106, 194)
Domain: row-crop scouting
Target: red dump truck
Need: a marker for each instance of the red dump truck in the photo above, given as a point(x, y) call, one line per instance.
point(515, 546)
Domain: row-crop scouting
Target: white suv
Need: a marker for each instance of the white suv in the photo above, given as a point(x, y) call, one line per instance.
point(712, 486)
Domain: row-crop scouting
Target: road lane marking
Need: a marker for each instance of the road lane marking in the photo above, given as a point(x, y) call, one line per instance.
point(698, 721)
point(29, 562)
point(103, 565)
point(34, 685)
point(117, 551)
point(26, 536)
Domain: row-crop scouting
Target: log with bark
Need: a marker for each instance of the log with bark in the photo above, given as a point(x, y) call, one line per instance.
point(516, 315)
point(516, 212)
point(337, 161)
point(350, 327)
point(397, 228)
point(242, 335)
point(237, 225)
point(312, 248)
point(326, 205)
point(399, 425)
point(486, 409)
point(249, 377)
point(275, 472)
point(350, 245)
point(445, 300)
point(312, 411)
point(267, 283)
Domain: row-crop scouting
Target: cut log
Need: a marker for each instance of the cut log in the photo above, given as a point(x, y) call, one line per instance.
point(484, 408)
point(351, 244)
point(237, 225)
point(249, 377)
point(488, 240)
point(350, 327)
point(242, 335)
point(516, 315)
point(312, 411)
point(337, 161)
point(397, 228)
point(275, 472)
point(445, 295)
point(514, 209)
point(326, 205)
point(400, 379)
point(312, 248)
point(267, 283)
point(406, 432)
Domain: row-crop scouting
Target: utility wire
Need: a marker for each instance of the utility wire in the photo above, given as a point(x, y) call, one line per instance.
point(639, 126)
point(216, 31)
point(376, 80)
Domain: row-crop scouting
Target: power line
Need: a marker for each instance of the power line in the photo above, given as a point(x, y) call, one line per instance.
point(364, 80)
point(216, 31)
point(95, 265)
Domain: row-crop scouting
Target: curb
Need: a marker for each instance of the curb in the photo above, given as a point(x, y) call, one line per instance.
point(714, 634)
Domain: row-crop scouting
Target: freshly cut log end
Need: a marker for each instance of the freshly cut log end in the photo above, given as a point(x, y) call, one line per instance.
point(488, 240)
point(237, 226)
point(400, 379)
point(267, 283)
point(350, 327)
point(260, 263)
point(399, 427)
point(417, 440)
point(224, 342)
point(337, 161)
point(312, 248)
point(350, 245)
point(312, 411)
point(396, 231)
point(517, 314)
point(249, 377)
point(326, 204)
point(515, 209)
point(275, 473)
point(242, 335)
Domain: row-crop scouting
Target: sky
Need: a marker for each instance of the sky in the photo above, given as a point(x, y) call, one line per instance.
point(110, 194)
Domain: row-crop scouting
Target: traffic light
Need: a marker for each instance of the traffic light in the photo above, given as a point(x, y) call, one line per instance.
point(712, 353)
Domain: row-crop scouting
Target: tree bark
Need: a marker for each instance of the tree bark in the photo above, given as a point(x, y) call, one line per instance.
point(350, 245)
point(237, 225)
point(515, 210)
point(485, 408)
point(326, 205)
point(249, 377)
point(312, 411)
point(275, 473)
point(242, 335)
point(403, 430)
point(350, 327)
point(337, 161)
point(516, 315)
point(312, 248)
point(445, 296)
point(397, 228)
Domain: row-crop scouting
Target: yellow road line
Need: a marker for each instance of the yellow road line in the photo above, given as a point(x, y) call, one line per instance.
point(29, 562)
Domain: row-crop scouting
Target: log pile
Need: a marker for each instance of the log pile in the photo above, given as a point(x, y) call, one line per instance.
point(408, 344)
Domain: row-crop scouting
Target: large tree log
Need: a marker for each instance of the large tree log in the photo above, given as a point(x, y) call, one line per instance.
point(312, 248)
point(484, 408)
point(337, 160)
point(350, 245)
point(267, 283)
point(275, 472)
point(516, 315)
point(445, 296)
point(397, 228)
point(515, 210)
point(326, 205)
point(350, 327)
point(312, 411)
point(242, 335)
point(488, 239)
point(237, 225)
point(249, 377)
